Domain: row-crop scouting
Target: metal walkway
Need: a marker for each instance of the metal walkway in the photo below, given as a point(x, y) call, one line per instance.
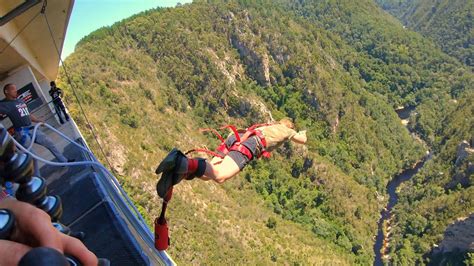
point(95, 204)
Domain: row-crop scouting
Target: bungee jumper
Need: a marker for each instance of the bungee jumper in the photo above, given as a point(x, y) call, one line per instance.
point(230, 157)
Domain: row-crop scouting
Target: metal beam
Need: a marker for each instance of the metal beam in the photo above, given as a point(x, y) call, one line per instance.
point(18, 11)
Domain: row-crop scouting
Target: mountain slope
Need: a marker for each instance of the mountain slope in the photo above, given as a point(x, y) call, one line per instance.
point(442, 89)
point(152, 80)
point(448, 23)
point(439, 195)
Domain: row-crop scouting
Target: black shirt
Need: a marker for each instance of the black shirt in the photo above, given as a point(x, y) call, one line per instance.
point(55, 93)
point(17, 111)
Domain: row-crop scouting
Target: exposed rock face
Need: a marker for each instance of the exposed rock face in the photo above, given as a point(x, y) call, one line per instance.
point(462, 152)
point(258, 63)
point(464, 166)
point(246, 106)
point(280, 54)
point(255, 57)
point(335, 125)
point(118, 154)
point(229, 69)
point(263, 111)
point(458, 236)
point(461, 178)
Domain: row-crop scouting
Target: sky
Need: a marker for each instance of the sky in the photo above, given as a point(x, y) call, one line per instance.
point(89, 15)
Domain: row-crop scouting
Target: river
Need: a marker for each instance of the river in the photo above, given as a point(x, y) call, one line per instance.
point(381, 240)
point(386, 215)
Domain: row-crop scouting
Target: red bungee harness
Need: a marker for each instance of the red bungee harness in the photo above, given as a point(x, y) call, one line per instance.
point(222, 150)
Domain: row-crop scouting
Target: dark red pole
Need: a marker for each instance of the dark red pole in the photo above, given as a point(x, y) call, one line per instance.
point(162, 239)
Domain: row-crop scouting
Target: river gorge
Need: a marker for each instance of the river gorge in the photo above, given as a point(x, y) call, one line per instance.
point(384, 224)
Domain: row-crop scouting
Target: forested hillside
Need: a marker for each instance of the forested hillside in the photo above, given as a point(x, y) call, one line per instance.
point(448, 22)
point(338, 68)
point(440, 194)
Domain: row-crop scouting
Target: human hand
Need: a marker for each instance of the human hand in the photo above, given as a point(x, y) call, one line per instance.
point(300, 137)
point(36, 119)
point(33, 228)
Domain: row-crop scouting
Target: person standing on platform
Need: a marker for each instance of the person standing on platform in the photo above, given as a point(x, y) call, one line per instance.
point(18, 112)
point(56, 94)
